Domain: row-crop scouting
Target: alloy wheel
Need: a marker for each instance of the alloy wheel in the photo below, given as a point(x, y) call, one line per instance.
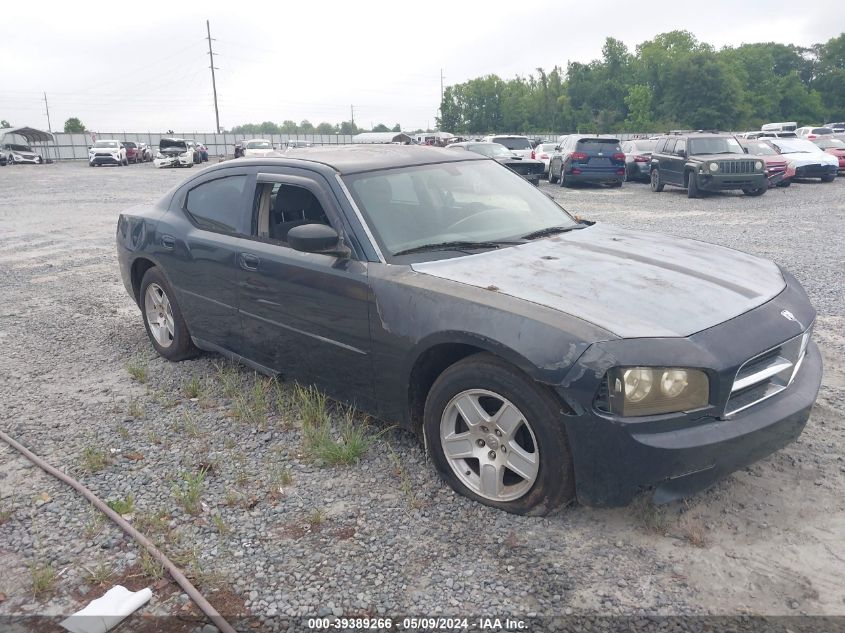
point(489, 445)
point(159, 315)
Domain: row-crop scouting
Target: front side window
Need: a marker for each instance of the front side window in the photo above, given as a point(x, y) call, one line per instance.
point(681, 146)
point(282, 206)
point(217, 205)
point(475, 201)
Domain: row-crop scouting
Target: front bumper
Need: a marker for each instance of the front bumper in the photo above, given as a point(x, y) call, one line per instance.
point(103, 160)
point(26, 160)
point(815, 171)
point(727, 182)
point(174, 161)
point(676, 455)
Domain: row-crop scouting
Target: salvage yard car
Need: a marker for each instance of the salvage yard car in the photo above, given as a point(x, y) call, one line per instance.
point(17, 154)
point(529, 169)
point(703, 161)
point(107, 152)
point(174, 152)
point(543, 359)
point(581, 158)
point(810, 160)
point(779, 171)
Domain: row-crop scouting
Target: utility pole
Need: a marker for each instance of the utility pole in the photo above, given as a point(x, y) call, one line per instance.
point(352, 113)
point(213, 81)
point(47, 106)
point(441, 85)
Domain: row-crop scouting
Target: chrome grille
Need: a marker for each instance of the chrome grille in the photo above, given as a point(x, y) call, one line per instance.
point(736, 166)
point(767, 374)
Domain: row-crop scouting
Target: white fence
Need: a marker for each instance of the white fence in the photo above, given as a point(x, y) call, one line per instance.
point(75, 146)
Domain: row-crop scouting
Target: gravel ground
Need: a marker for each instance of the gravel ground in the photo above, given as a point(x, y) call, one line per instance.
point(277, 537)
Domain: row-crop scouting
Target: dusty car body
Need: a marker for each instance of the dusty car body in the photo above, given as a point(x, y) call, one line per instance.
point(174, 152)
point(810, 160)
point(834, 147)
point(779, 170)
point(542, 358)
point(17, 154)
point(528, 168)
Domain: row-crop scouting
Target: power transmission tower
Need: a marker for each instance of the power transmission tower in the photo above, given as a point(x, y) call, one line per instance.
point(213, 81)
point(47, 106)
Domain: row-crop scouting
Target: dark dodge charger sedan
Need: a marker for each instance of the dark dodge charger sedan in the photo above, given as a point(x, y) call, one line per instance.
point(542, 359)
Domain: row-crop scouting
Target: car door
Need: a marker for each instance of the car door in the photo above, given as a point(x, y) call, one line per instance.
point(676, 161)
point(666, 162)
point(305, 315)
point(197, 245)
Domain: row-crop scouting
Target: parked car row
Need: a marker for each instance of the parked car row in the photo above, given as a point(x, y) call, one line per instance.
point(121, 153)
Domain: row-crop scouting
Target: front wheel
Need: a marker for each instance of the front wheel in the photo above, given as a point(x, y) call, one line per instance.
point(785, 183)
point(692, 186)
point(656, 184)
point(497, 437)
point(829, 178)
point(552, 177)
point(163, 319)
point(755, 192)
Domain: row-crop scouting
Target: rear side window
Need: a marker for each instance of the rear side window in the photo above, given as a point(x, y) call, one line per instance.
point(681, 146)
point(661, 145)
point(513, 142)
point(217, 205)
point(599, 145)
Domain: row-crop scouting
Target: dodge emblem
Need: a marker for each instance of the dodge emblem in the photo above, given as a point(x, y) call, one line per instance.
point(788, 315)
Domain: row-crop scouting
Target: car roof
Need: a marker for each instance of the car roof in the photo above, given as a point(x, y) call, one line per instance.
point(351, 159)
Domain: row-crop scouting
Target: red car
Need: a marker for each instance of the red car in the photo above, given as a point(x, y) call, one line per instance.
point(779, 171)
point(133, 152)
point(833, 146)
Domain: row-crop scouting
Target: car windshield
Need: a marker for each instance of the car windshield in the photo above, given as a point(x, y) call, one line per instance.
point(831, 143)
point(547, 147)
point(821, 130)
point(760, 149)
point(259, 145)
point(462, 201)
point(797, 146)
point(491, 150)
point(112, 144)
point(513, 142)
point(715, 145)
point(19, 148)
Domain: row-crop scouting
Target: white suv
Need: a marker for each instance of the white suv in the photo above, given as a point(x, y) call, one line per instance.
point(519, 145)
point(107, 152)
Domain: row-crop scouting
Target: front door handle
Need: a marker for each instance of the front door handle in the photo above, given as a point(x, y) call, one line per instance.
point(249, 261)
point(168, 242)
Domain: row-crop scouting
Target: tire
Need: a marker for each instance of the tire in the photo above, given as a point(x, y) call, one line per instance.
point(536, 438)
point(170, 336)
point(785, 183)
point(616, 184)
point(552, 178)
point(828, 178)
point(692, 186)
point(755, 192)
point(536, 182)
point(563, 181)
point(656, 185)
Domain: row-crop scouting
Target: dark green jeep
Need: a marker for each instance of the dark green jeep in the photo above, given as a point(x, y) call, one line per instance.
point(703, 161)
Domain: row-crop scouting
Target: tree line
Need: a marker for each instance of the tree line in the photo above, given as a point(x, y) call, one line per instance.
point(671, 81)
point(306, 127)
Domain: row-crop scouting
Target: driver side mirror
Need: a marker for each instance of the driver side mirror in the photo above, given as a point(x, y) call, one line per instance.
point(682, 153)
point(317, 238)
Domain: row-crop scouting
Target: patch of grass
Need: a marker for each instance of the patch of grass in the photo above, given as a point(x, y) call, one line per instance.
point(95, 524)
point(5, 515)
point(43, 578)
point(152, 525)
point(316, 518)
point(311, 403)
point(190, 426)
point(231, 498)
point(229, 378)
point(351, 442)
point(150, 567)
point(122, 506)
point(253, 406)
point(123, 432)
point(100, 574)
point(189, 491)
point(135, 410)
point(691, 527)
point(404, 478)
point(137, 368)
point(220, 525)
point(94, 459)
point(651, 517)
point(193, 387)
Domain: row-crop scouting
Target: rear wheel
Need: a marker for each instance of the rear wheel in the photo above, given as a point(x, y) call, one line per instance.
point(497, 437)
point(656, 184)
point(829, 178)
point(163, 319)
point(692, 185)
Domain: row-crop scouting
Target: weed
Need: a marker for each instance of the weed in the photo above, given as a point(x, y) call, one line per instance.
point(43, 578)
point(94, 459)
point(123, 506)
point(94, 525)
point(123, 432)
point(231, 499)
point(316, 518)
point(312, 406)
point(152, 525)
point(220, 525)
point(100, 574)
point(190, 425)
point(353, 442)
point(189, 491)
point(253, 406)
point(193, 387)
point(135, 409)
point(151, 567)
point(137, 368)
point(653, 518)
point(692, 528)
point(229, 379)
point(5, 515)
point(404, 478)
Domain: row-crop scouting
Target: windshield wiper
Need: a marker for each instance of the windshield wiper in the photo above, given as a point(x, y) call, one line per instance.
point(551, 230)
point(458, 245)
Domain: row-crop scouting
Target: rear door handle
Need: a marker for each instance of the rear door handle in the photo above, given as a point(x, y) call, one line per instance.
point(249, 261)
point(168, 241)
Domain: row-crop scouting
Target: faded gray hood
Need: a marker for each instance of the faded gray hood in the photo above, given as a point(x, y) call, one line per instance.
point(632, 283)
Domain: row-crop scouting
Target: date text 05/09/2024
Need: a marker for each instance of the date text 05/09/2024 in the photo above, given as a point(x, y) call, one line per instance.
point(412, 624)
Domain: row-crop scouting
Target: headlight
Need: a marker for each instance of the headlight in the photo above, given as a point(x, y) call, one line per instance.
point(758, 165)
point(714, 166)
point(638, 391)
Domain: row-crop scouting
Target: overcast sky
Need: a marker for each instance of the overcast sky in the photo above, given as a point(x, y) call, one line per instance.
point(139, 66)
